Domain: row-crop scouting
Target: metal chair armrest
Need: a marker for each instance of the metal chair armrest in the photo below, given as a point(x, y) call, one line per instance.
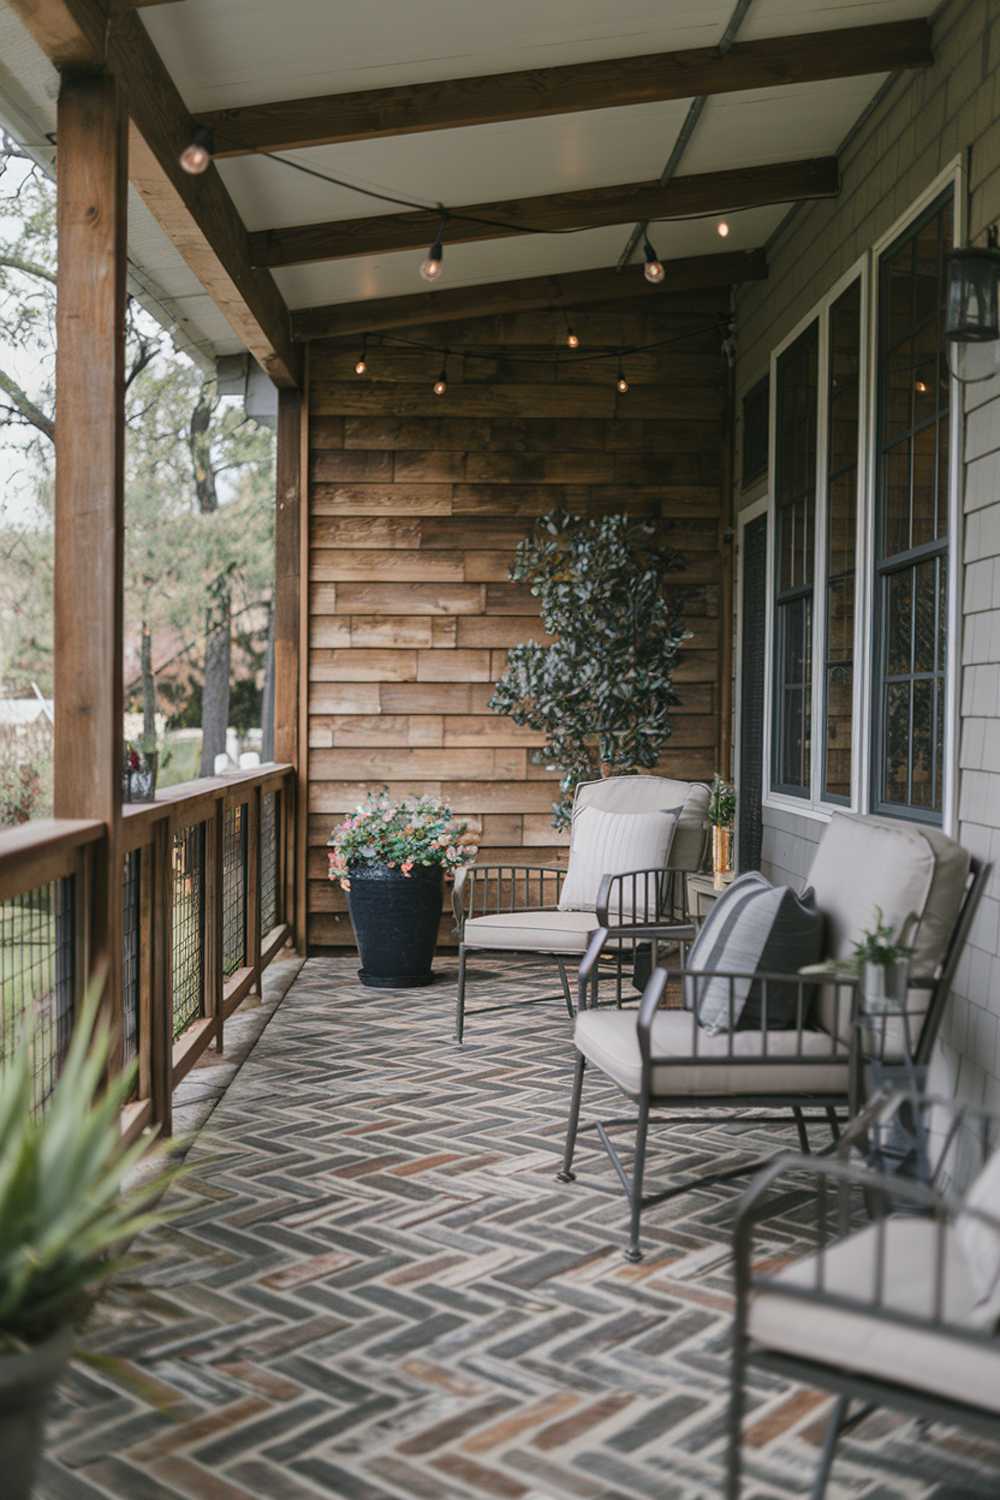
point(661, 977)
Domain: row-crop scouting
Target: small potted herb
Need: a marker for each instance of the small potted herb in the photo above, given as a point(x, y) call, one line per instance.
point(391, 858)
point(721, 816)
point(883, 962)
point(66, 1214)
point(139, 767)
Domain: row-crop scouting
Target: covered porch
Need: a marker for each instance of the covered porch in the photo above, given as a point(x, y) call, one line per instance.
point(377, 1289)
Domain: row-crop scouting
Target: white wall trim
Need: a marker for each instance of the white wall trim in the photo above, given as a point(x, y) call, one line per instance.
point(749, 513)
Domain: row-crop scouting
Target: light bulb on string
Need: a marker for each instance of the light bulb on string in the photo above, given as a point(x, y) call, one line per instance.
point(653, 269)
point(441, 384)
point(572, 340)
point(722, 229)
point(196, 157)
point(920, 385)
point(432, 265)
point(621, 384)
point(361, 364)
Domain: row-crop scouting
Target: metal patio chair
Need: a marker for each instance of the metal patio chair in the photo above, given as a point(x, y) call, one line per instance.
point(513, 910)
point(663, 1059)
point(880, 1313)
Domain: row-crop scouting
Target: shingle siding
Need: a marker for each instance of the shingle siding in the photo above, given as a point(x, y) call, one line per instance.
point(919, 125)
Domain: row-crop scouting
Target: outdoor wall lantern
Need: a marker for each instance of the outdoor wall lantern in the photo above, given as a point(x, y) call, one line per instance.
point(972, 308)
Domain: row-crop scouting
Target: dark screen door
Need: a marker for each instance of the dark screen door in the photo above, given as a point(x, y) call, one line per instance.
point(751, 787)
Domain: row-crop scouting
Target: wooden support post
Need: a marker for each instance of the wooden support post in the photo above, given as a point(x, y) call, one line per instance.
point(146, 1012)
point(291, 528)
point(89, 513)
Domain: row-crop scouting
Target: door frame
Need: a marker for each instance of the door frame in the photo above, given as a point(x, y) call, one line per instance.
point(753, 512)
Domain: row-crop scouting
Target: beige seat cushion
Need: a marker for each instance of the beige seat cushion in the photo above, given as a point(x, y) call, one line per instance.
point(861, 1340)
point(531, 931)
point(639, 794)
point(608, 1039)
point(864, 862)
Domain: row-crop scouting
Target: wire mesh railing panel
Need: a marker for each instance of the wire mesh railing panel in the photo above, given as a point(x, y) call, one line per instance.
point(131, 938)
point(270, 814)
point(234, 889)
point(189, 926)
point(37, 979)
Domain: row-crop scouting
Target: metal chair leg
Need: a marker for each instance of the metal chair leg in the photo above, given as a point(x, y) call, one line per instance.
point(460, 998)
point(567, 1174)
point(831, 1115)
point(567, 992)
point(838, 1419)
point(801, 1127)
point(734, 1435)
point(634, 1253)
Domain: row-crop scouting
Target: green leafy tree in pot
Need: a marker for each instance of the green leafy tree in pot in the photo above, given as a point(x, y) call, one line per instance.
point(602, 690)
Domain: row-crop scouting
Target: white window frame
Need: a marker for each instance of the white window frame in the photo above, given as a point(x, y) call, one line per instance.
point(952, 176)
point(867, 266)
point(814, 806)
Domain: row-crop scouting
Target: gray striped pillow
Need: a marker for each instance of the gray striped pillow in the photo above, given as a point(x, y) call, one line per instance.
point(754, 927)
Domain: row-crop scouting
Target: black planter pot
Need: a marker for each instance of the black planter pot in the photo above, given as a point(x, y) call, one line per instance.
point(26, 1383)
point(395, 919)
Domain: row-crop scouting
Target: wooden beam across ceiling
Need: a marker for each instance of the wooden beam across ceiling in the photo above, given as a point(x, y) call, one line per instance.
point(606, 84)
point(197, 213)
point(570, 290)
point(709, 192)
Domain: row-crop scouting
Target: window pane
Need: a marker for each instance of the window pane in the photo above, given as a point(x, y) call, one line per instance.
point(841, 538)
point(795, 459)
point(911, 506)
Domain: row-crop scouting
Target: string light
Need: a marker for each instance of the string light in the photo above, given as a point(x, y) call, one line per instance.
point(920, 386)
point(432, 265)
point(441, 384)
point(196, 157)
point(722, 229)
point(653, 269)
point(361, 365)
point(572, 340)
point(621, 383)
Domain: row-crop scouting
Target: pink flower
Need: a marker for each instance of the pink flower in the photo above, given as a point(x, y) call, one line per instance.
point(407, 866)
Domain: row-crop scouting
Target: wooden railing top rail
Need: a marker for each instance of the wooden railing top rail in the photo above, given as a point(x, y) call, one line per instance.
point(34, 853)
point(189, 801)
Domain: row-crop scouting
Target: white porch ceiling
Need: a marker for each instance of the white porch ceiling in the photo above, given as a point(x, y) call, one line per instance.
point(224, 53)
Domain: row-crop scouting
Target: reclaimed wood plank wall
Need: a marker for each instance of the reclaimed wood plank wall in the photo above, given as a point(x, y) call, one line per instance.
point(416, 505)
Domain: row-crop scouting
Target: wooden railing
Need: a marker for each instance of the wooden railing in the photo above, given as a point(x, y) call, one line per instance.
point(206, 878)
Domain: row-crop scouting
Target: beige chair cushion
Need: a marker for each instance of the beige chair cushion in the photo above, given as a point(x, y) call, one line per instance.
point(864, 862)
point(608, 1039)
point(613, 843)
point(866, 1343)
point(640, 794)
point(531, 931)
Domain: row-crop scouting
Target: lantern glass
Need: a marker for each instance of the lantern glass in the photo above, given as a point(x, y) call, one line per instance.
point(972, 314)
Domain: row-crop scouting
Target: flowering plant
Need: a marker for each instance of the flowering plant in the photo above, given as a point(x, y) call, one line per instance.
point(400, 835)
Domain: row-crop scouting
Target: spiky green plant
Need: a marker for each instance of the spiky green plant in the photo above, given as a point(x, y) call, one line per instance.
point(65, 1212)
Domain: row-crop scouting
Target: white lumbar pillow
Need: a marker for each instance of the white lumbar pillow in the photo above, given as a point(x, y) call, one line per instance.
point(607, 843)
point(980, 1242)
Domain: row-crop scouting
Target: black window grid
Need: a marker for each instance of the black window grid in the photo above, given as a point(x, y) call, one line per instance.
point(188, 926)
point(38, 977)
point(844, 408)
point(795, 461)
point(909, 699)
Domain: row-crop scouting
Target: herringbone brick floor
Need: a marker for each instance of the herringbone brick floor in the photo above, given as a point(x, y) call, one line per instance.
point(377, 1291)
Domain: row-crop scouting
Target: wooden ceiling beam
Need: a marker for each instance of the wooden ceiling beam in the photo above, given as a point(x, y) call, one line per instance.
point(196, 213)
point(407, 109)
point(709, 192)
point(569, 290)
